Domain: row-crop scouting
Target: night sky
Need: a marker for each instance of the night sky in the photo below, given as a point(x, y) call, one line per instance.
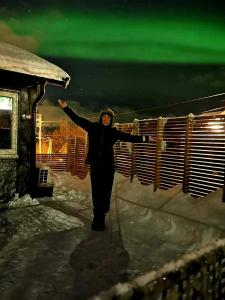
point(129, 55)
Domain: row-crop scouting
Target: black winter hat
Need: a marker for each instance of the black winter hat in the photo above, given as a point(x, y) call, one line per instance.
point(108, 112)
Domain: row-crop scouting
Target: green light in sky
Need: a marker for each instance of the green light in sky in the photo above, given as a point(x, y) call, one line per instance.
point(158, 39)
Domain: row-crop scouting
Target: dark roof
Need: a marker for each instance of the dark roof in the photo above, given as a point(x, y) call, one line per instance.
point(18, 60)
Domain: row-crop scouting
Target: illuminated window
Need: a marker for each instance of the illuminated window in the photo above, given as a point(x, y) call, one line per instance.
point(8, 123)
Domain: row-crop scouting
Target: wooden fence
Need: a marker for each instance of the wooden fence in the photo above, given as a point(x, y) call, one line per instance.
point(187, 150)
point(57, 162)
point(77, 151)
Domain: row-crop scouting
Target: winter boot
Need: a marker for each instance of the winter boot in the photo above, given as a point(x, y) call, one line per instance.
point(98, 223)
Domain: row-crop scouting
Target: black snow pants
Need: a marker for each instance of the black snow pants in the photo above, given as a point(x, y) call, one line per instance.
point(101, 182)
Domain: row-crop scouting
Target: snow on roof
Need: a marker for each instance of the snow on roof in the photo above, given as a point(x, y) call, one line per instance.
point(19, 60)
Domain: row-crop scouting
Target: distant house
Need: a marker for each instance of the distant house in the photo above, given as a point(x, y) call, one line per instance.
point(24, 77)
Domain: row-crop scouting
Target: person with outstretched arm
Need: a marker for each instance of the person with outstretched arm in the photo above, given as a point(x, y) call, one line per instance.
point(101, 139)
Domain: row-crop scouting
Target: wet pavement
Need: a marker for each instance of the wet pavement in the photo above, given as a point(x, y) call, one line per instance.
point(47, 250)
point(43, 260)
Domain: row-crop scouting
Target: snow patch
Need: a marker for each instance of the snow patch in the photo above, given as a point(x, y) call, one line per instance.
point(26, 200)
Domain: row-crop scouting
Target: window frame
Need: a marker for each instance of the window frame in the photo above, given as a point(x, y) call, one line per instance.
point(12, 152)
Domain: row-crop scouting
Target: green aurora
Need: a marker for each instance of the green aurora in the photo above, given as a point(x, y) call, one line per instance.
point(142, 38)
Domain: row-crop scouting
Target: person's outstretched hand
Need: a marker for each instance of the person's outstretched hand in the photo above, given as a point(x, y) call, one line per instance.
point(62, 103)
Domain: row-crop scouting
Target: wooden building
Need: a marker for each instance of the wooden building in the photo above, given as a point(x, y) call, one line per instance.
point(24, 77)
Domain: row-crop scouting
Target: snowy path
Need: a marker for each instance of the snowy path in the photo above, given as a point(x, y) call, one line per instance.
point(51, 252)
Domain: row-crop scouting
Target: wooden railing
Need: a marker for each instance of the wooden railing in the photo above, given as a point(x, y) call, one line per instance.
point(199, 275)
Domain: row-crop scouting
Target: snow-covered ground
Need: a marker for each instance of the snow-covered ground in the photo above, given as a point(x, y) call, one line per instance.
point(49, 251)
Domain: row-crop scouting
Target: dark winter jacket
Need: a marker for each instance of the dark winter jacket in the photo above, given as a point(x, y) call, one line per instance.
point(101, 138)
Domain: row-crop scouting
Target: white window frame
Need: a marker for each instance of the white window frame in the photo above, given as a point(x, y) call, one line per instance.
point(12, 152)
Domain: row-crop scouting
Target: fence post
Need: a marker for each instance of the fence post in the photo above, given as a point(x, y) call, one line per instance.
point(86, 151)
point(71, 162)
point(68, 155)
point(223, 198)
point(133, 161)
point(159, 139)
point(187, 148)
point(75, 157)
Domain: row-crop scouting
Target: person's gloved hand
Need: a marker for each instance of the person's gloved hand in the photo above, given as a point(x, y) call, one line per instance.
point(62, 103)
point(148, 139)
